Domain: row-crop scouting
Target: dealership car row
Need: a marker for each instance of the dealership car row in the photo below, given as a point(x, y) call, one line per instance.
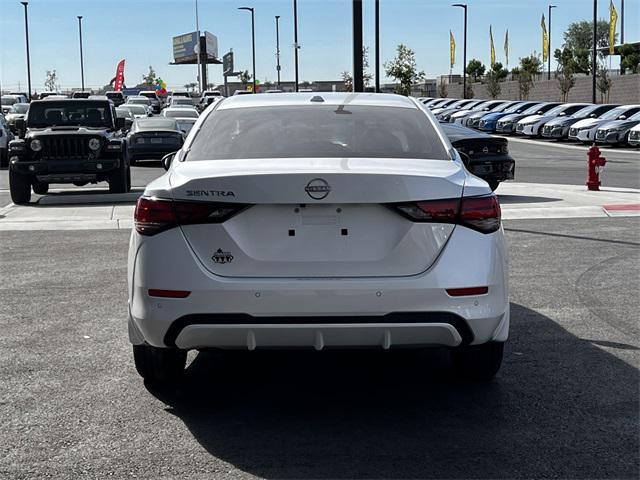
point(606, 124)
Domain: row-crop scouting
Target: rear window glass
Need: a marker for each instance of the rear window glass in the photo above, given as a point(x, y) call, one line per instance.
point(317, 131)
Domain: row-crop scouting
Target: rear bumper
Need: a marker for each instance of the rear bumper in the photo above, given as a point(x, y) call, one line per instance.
point(493, 169)
point(144, 152)
point(231, 312)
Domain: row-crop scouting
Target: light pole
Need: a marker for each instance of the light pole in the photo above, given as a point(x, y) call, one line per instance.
point(81, 59)
point(199, 58)
point(377, 54)
point(594, 62)
point(26, 33)
point(549, 44)
point(295, 39)
point(253, 41)
point(278, 48)
point(464, 55)
point(358, 74)
point(622, 23)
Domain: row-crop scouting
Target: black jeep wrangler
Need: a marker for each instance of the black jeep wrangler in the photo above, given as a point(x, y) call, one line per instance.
point(68, 141)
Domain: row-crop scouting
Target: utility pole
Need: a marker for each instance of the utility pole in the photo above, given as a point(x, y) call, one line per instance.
point(253, 42)
point(358, 74)
point(594, 63)
point(81, 58)
point(295, 40)
point(549, 45)
point(278, 49)
point(464, 55)
point(622, 23)
point(199, 56)
point(26, 32)
point(377, 53)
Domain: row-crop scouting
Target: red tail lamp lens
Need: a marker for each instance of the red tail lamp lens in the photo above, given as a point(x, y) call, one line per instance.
point(153, 292)
point(465, 292)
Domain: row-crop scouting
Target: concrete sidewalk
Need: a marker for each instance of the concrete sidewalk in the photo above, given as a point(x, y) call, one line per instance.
point(518, 201)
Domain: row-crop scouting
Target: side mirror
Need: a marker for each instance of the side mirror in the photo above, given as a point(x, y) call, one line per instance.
point(120, 123)
point(167, 159)
point(20, 127)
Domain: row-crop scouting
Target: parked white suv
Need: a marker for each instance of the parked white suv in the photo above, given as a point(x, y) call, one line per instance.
point(321, 220)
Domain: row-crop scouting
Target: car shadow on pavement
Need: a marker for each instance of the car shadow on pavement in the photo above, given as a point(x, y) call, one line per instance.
point(525, 199)
point(560, 407)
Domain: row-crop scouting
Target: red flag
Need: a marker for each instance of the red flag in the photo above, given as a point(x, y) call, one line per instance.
point(119, 77)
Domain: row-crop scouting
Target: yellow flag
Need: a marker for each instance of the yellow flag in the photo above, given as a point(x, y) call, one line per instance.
point(493, 50)
point(613, 19)
point(506, 47)
point(452, 48)
point(545, 40)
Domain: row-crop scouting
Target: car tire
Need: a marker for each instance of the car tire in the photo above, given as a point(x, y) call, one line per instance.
point(478, 363)
point(40, 188)
point(159, 365)
point(493, 185)
point(120, 180)
point(19, 187)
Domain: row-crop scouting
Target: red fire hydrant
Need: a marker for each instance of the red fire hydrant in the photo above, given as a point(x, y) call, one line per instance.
point(594, 164)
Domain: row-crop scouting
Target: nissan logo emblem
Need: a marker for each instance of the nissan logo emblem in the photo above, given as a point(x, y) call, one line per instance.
point(317, 188)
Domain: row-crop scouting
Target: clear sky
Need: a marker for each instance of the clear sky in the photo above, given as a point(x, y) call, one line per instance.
point(140, 31)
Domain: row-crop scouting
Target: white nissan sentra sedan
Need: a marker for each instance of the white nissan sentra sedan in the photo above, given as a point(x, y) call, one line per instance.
point(317, 220)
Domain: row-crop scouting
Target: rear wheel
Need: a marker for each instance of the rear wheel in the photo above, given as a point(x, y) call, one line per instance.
point(478, 362)
point(41, 188)
point(20, 187)
point(120, 181)
point(159, 365)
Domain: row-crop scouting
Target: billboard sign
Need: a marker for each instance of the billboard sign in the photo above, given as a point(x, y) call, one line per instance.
point(211, 45)
point(184, 46)
point(227, 64)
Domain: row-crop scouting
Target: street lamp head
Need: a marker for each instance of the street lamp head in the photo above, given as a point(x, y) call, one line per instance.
point(462, 5)
point(248, 9)
point(277, 16)
point(79, 17)
point(553, 6)
point(25, 3)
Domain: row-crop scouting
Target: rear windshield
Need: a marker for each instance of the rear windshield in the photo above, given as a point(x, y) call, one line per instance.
point(69, 112)
point(146, 124)
point(188, 113)
point(114, 95)
point(9, 100)
point(181, 101)
point(317, 131)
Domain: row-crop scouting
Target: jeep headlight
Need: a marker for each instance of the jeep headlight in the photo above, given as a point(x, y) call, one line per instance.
point(36, 145)
point(94, 144)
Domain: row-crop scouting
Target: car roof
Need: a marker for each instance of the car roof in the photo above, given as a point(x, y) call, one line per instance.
point(319, 98)
point(154, 123)
point(70, 101)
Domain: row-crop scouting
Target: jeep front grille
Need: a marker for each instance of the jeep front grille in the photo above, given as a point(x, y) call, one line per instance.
point(61, 147)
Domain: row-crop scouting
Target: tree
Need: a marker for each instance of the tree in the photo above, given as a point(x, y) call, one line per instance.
point(565, 71)
point(525, 73)
point(603, 83)
point(245, 78)
point(442, 89)
point(51, 82)
point(403, 68)
point(347, 78)
point(578, 41)
point(150, 79)
point(189, 87)
point(630, 59)
point(496, 75)
point(475, 69)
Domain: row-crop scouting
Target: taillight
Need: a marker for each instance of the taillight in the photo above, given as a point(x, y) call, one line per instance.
point(479, 213)
point(157, 215)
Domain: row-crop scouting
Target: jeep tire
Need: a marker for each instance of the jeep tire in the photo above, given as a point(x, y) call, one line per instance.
point(159, 365)
point(20, 187)
point(478, 363)
point(120, 179)
point(40, 188)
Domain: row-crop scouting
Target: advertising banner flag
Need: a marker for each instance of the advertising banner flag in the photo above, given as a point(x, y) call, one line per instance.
point(119, 80)
point(493, 50)
point(506, 48)
point(545, 40)
point(613, 20)
point(452, 49)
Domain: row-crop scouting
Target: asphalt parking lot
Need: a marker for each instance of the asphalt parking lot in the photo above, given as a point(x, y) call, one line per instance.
point(564, 405)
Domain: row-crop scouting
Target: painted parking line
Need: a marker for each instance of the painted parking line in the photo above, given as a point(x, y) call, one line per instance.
point(623, 210)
